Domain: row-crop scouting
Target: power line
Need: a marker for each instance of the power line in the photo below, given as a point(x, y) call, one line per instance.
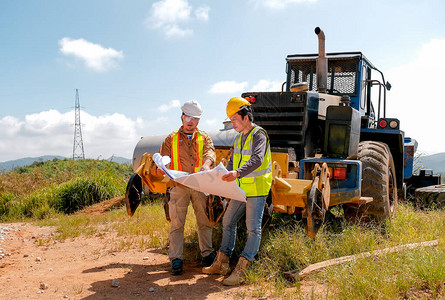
point(78, 152)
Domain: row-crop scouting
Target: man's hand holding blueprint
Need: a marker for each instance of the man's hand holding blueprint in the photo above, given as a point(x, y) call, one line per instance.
point(209, 182)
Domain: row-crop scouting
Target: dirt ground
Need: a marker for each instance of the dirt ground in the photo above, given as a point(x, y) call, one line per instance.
point(83, 268)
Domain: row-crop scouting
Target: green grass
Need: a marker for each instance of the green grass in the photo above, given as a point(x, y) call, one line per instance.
point(409, 274)
point(60, 186)
point(393, 276)
point(148, 228)
point(50, 194)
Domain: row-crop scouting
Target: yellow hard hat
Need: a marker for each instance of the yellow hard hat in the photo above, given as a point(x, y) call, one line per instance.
point(235, 104)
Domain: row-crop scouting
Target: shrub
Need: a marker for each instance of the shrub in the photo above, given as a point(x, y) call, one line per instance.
point(81, 192)
point(7, 200)
point(60, 186)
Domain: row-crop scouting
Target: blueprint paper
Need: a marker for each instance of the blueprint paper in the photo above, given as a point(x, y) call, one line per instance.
point(161, 161)
point(208, 182)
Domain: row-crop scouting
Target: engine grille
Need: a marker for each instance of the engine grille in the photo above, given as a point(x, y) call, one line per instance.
point(285, 117)
point(343, 71)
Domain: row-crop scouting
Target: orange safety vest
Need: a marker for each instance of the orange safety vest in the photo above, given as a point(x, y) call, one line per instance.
point(176, 162)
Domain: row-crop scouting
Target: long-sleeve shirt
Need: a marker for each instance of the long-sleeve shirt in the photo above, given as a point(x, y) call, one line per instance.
point(187, 149)
point(259, 143)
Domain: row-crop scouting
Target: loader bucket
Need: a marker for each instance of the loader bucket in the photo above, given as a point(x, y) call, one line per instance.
point(215, 208)
point(134, 193)
point(314, 213)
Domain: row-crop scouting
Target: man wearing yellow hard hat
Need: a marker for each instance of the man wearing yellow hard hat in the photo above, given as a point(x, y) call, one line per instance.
point(251, 166)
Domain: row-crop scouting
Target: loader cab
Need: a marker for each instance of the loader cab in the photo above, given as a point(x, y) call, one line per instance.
point(349, 74)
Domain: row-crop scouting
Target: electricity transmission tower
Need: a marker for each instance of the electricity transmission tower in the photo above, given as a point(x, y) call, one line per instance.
point(78, 152)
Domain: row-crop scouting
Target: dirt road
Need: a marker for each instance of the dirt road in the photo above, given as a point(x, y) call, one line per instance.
point(34, 265)
point(84, 268)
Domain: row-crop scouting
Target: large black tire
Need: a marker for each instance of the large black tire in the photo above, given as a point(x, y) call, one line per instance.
point(378, 180)
point(430, 197)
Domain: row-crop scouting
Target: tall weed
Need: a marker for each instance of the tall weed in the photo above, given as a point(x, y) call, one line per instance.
point(403, 275)
point(66, 186)
point(285, 247)
point(387, 277)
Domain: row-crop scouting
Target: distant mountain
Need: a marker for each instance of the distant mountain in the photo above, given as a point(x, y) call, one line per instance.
point(12, 164)
point(120, 160)
point(436, 162)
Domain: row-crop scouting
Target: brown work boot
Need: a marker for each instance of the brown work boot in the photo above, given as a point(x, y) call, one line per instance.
point(237, 276)
point(219, 266)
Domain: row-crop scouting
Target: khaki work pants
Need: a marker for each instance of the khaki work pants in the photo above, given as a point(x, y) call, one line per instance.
point(180, 198)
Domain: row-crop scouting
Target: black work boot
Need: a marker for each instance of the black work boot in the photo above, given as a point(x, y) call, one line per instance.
point(176, 266)
point(209, 259)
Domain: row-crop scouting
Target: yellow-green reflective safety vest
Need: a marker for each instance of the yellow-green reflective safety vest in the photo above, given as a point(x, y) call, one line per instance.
point(176, 162)
point(259, 181)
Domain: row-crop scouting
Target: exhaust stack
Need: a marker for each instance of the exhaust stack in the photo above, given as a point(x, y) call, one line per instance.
point(322, 63)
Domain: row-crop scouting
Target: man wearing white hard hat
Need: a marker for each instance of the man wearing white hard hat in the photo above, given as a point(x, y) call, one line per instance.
point(191, 150)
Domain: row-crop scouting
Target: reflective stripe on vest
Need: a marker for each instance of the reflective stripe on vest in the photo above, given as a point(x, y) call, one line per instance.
point(175, 163)
point(199, 151)
point(175, 160)
point(259, 181)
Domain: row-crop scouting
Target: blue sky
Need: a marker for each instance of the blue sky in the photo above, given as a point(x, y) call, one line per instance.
point(136, 62)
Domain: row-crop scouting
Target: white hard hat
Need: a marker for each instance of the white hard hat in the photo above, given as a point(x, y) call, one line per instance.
point(192, 108)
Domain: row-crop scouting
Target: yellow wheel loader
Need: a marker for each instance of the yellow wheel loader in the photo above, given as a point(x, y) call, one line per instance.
point(330, 146)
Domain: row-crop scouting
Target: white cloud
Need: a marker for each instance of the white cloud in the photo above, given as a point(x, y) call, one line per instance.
point(212, 122)
point(172, 104)
point(39, 134)
point(172, 17)
point(416, 98)
point(202, 13)
point(231, 87)
point(169, 12)
point(174, 30)
point(94, 56)
point(267, 86)
point(228, 87)
point(52, 133)
point(278, 4)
